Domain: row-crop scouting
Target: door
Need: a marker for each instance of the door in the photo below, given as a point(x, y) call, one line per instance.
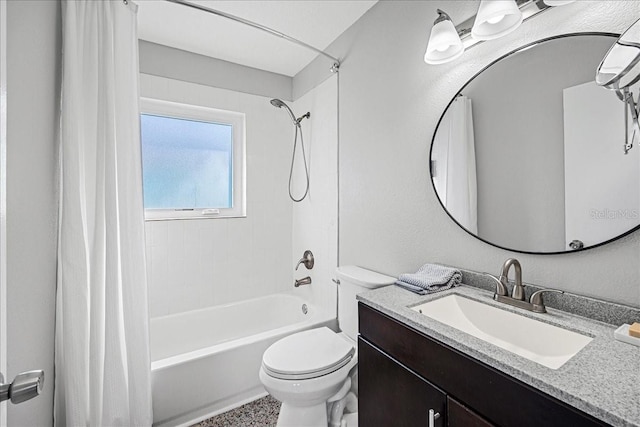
point(601, 190)
point(25, 385)
point(458, 415)
point(3, 198)
point(391, 395)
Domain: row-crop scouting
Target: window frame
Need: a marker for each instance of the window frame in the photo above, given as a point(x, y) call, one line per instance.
point(236, 120)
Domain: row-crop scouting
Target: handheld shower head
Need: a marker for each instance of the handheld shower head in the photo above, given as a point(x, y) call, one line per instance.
point(279, 103)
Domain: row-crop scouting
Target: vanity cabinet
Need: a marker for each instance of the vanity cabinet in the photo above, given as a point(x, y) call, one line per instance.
point(392, 395)
point(404, 373)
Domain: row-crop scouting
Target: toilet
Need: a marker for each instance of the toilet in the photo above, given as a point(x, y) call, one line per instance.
point(314, 372)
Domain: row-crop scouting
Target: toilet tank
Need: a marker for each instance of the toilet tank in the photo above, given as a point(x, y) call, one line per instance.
point(354, 280)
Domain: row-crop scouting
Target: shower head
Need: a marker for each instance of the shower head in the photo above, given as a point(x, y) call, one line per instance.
point(279, 103)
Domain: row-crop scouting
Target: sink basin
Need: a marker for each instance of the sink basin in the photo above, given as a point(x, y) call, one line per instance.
point(548, 345)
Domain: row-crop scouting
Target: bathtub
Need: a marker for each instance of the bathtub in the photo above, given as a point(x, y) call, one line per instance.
point(206, 361)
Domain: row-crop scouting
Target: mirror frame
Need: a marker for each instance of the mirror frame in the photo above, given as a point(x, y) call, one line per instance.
point(614, 36)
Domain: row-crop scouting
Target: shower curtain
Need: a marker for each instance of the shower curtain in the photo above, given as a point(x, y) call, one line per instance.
point(102, 367)
point(461, 184)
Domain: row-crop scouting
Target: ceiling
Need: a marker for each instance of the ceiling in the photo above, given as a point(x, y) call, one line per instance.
point(315, 22)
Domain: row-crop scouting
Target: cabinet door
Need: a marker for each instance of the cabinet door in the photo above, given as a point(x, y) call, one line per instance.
point(392, 395)
point(459, 415)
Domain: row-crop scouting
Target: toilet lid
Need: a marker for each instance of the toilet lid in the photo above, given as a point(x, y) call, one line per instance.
point(307, 354)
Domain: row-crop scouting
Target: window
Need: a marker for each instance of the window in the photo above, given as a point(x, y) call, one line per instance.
point(192, 161)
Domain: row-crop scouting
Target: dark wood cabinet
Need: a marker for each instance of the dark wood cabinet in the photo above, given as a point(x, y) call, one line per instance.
point(458, 415)
point(391, 395)
point(404, 373)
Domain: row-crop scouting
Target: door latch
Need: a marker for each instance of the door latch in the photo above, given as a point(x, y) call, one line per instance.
point(25, 386)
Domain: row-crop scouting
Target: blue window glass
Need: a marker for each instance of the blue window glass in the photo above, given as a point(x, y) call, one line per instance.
point(186, 164)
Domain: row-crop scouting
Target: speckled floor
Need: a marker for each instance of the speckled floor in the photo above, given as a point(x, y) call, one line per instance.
point(259, 413)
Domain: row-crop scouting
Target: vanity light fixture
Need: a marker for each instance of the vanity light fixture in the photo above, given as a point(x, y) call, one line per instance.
point(444, 42)
point(495, 18)
point(620, 71)
point(557, 2)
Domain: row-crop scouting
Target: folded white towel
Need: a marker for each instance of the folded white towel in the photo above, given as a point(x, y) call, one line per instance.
point(430, 278)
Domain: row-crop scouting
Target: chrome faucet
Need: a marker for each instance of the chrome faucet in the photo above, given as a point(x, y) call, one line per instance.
point(518, 289)
point(517, 298)
point(303, 281)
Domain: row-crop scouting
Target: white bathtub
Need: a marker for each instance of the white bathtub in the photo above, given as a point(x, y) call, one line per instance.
point(207, 361)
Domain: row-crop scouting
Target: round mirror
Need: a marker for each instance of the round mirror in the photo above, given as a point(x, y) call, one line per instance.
point(528, 156)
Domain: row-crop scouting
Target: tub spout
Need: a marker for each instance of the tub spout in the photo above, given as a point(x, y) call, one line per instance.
point(303, 281)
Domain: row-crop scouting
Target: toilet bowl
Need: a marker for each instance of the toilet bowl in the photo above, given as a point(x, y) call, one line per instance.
point(314, 373)
point(306, 370)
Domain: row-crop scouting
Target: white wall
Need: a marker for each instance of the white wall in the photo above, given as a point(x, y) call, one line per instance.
point(33, 81)
point(165, 61)
point(390, 103)
point(315, 218)
point(199, 263)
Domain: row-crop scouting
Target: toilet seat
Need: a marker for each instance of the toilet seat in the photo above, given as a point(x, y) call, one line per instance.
point(308, 354)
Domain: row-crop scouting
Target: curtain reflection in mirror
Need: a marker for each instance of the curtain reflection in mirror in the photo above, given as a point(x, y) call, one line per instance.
point(454, 172)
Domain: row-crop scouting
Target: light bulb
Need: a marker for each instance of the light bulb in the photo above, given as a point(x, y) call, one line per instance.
point(444, 42)
point(496, 19)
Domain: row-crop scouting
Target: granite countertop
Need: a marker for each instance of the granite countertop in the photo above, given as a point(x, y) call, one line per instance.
point(602, 380)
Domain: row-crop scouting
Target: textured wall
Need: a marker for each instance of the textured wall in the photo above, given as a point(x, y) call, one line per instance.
point(390, 103)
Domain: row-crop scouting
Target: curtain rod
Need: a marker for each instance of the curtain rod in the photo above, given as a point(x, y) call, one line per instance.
point(336, 61)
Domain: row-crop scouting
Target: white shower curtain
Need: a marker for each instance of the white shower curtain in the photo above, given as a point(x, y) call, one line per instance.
point(102, 371)
point(461, 183)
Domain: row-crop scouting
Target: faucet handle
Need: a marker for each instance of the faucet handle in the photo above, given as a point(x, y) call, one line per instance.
point(307, 259)
point(501, 289)
point(537, 301)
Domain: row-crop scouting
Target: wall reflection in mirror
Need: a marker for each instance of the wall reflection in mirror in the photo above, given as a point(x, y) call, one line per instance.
point(528, 155)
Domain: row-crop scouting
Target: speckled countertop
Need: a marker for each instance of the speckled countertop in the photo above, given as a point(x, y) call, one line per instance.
point(603, 379)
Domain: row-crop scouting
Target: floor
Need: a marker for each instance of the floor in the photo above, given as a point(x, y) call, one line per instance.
point(259, 413)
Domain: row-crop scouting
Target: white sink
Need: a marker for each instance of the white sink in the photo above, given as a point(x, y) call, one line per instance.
point(540, 342)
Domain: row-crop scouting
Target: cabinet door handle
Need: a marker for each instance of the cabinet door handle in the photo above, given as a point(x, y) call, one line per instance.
point(433, 416)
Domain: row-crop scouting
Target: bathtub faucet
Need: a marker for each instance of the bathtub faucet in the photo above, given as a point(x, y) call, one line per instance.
point(307, 260)
point(303, 281)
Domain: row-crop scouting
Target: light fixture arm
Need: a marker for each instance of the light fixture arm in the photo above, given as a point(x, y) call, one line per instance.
point(442, 16)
